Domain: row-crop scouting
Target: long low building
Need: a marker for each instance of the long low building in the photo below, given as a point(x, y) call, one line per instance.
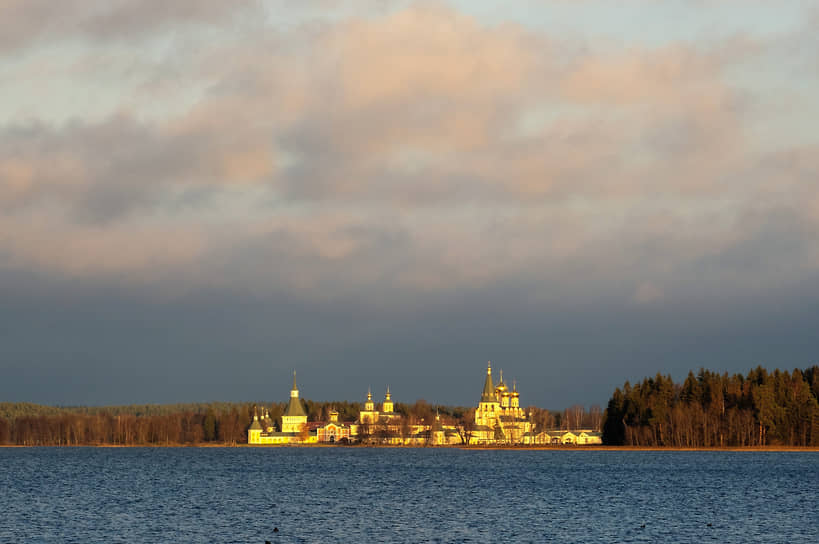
point(577, 437)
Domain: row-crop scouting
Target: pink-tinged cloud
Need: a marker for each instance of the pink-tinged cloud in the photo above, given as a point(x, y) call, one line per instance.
point(137, 253)
point(37, 23)
point(417, 150)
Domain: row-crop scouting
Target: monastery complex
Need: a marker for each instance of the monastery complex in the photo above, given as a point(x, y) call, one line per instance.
point(499, 420)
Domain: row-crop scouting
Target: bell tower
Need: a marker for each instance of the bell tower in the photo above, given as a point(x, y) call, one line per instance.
point(387, 407)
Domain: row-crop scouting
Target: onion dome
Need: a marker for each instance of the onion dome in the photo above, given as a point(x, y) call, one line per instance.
point(501, 387)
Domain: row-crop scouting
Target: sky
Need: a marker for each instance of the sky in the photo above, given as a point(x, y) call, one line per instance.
point(198, 197)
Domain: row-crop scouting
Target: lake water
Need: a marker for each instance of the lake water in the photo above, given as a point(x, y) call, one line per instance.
point(366, 495)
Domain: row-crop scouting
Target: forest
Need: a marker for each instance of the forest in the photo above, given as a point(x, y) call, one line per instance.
point(29, 424)
point(37, 425)
point(708, 409)
point(217, 423)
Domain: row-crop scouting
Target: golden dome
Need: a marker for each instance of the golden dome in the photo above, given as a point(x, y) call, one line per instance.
point(501, 386)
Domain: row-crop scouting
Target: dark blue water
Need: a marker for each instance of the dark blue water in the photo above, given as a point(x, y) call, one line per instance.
point(405, 495)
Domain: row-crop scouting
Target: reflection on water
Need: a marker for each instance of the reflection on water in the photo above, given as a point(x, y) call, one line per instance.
point(405, 495)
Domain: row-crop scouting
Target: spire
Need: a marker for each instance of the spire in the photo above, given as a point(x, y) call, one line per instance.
point(255, 426)
point(436, 426)
point(369, 406)
point(501, 387)
point(387, 406)
point(488, 394)
point(294, 393)
point(294, 407)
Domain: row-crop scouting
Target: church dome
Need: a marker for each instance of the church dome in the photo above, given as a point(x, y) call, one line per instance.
point(501, 387)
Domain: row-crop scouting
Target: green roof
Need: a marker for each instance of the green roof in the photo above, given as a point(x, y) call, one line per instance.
point(294, 408)
point(488, 388)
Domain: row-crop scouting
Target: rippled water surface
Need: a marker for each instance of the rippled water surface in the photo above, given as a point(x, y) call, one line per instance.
point(414, 495)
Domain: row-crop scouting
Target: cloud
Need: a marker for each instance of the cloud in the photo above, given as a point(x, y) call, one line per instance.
point(396, 189)
point(102, 171)
point(414, 149)
point(647, 293)
point(27, 23)
point(126, 252)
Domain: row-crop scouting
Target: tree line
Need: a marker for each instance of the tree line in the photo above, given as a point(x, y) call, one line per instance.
point(29, 424)
point(714, 410)
point(79, 429)
point(13, 410)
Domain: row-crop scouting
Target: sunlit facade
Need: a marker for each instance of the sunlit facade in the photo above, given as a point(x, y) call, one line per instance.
point(293, 425)
point(499, 419)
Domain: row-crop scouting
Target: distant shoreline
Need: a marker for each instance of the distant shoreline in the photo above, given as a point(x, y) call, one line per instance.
point(565, 448)
point(647, 448)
